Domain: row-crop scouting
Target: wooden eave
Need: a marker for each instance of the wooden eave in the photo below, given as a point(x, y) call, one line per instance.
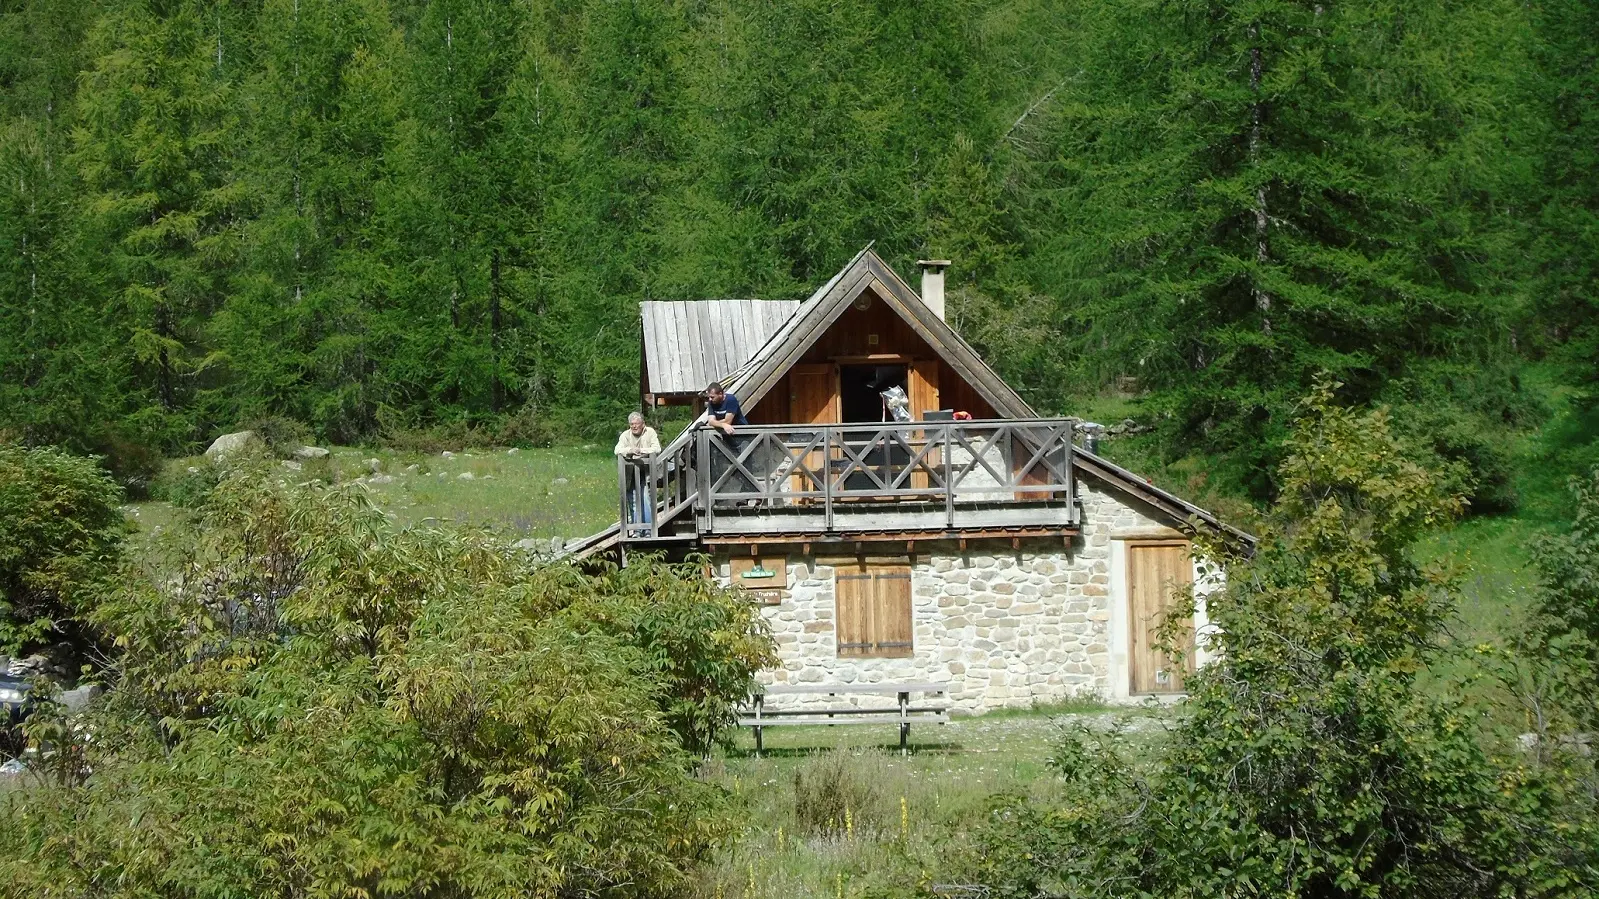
point(869, 272)
point(1169, 504)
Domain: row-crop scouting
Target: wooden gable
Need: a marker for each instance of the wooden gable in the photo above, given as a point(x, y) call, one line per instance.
point(866, 314)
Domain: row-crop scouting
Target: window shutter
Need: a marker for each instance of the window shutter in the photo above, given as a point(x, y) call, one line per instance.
point(891, 599)
point(873, 611)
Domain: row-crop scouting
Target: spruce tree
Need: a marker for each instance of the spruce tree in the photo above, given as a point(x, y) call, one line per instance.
point(159, 118)
point(1239, 195)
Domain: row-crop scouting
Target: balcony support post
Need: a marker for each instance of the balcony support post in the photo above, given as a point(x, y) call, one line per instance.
point(949, 483)
point(827, 477)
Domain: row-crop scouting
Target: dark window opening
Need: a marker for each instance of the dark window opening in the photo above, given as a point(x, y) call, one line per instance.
point(860, 387)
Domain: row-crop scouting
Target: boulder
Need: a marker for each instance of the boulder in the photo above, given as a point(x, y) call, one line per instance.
point(528, 543)
point(310, 452)
point(446, 455)
point(228, 444)
point(465, 476)
point(381, 479)
point(77, 700)
point(373, 465)
point(292, 465)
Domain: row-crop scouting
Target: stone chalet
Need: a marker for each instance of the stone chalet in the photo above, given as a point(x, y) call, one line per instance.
point(898, 510)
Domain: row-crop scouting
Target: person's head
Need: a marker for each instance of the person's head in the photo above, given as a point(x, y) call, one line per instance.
point(715, 393)
point(635, 422)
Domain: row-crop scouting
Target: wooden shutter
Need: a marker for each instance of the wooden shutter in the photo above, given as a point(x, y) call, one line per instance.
point(813, 395)
point(873, 613)
point(923, 381)
point(1155, 573)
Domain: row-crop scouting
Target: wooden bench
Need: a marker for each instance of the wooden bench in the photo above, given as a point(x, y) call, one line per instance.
point(758, 716)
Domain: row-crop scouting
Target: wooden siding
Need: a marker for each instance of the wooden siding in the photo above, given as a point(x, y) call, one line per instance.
point(955, 393)
point(851, 334)
point(775, 408)
point(689, 344)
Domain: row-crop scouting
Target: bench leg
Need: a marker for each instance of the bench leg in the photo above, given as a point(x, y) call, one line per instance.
point(904, 731)
point(757, 741)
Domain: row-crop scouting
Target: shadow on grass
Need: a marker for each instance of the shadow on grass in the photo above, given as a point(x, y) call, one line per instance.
point(801, 752)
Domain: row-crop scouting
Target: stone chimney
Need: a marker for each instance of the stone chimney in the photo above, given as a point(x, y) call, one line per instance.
point(933, 284)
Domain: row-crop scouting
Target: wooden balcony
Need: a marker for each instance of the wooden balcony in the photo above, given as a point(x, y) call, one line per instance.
point(926, 478)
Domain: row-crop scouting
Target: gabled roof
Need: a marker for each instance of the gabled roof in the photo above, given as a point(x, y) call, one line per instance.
point(690, 344)
point(814, 316)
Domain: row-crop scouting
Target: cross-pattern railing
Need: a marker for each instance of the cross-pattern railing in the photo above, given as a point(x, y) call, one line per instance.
point(655, 489)
point(821, 473)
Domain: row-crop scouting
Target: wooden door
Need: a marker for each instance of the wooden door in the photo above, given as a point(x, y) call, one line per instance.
point(923, 382)
point(873, 610)
point(812, 400)
point(813, 394)
point(1156, 573)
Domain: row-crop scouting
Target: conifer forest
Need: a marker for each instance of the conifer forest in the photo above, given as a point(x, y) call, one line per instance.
point(375, 215)
point(1328, 269)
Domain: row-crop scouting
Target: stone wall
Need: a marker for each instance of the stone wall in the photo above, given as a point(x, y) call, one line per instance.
point(1002, 627)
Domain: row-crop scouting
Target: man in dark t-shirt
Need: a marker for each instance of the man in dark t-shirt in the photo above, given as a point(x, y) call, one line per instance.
point(722, 410)
point(723, 413)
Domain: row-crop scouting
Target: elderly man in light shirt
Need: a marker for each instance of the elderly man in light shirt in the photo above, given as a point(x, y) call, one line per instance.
point(636, 445)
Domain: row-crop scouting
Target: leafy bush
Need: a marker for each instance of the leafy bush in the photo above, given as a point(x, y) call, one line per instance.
point(1470, 454)
point(311, 702)
point(842, 790)
point(133, 463)
point(187, 486)
point(525, 427)
point(61, 531)
point(281, 435)
point(1310, 761)
point(1568, 601)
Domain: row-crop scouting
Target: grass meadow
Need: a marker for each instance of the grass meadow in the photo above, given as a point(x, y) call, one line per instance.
point(563, 492)
point(834, 812)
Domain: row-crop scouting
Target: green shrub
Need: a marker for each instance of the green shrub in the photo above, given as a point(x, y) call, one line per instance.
point(281, 435)
point(1470, 453)
point(61, 532)
point(525, 427)
point(133, 463)
point(1311, 760)
point(187, 483)
point(312, 702)
point(841, 791)
point(1568, 602)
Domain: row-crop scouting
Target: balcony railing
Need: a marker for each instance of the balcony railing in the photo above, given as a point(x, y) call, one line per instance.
point(921, 476)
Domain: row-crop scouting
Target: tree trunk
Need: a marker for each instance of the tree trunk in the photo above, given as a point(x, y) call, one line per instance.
point(1257, 116)
point(495, 397)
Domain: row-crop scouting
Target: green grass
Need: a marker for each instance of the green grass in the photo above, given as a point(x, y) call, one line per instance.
point(539, 493)
point(920, 806)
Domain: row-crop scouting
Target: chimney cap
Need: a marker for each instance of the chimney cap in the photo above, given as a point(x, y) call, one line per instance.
point(933, 263)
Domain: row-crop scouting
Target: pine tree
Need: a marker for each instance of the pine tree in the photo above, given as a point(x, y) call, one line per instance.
point(320, 117)
point(1242, 195)
point(1566, 243)
point(53, 385)
point(158, 123)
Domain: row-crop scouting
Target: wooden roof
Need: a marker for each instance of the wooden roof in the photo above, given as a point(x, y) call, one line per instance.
point(868, 272)
point(689, 344)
